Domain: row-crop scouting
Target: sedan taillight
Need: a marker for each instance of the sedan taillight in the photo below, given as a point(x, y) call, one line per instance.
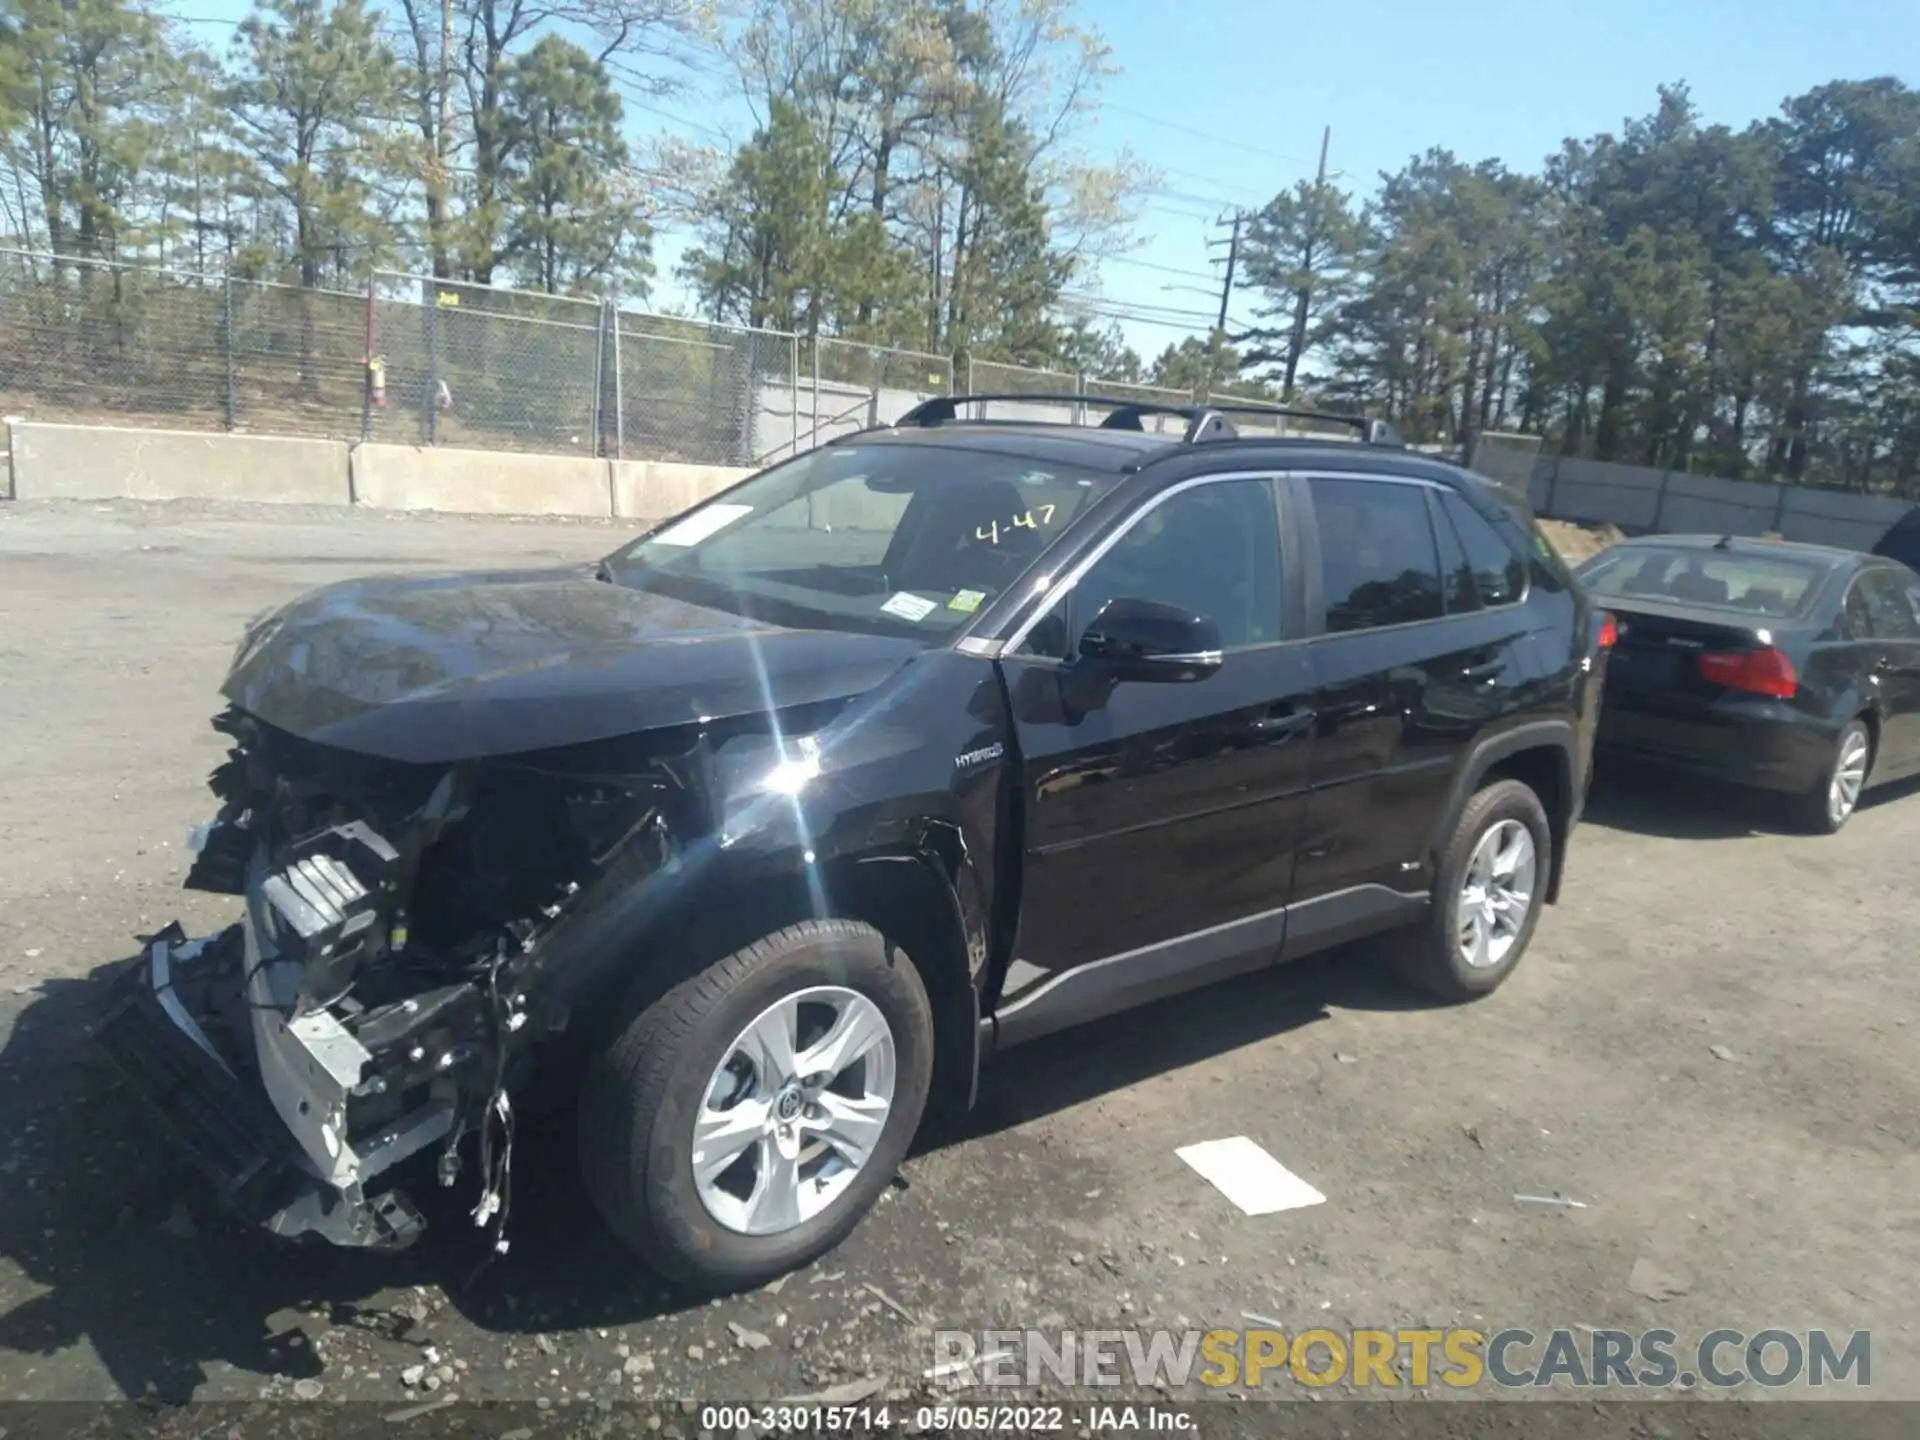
point(1758, 672)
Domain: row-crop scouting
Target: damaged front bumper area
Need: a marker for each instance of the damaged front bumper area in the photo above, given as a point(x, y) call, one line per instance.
point(170, 1036)
point(382, 993)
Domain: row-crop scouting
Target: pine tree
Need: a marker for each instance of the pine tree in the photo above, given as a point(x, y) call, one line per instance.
point(575, 225)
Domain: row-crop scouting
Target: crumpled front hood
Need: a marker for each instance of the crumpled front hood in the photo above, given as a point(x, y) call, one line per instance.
point(462, 666)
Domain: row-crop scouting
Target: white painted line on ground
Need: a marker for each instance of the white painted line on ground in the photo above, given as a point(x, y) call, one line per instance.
point(1248, 1176)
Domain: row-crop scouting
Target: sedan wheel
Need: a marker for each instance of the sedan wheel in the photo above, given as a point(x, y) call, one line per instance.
point(1849, 776)
point(1830, 802)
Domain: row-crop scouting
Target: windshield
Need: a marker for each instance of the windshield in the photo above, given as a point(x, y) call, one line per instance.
point(1778, 586)
point(889, 539)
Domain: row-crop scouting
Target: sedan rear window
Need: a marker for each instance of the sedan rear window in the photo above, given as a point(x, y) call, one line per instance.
point(1778, 586)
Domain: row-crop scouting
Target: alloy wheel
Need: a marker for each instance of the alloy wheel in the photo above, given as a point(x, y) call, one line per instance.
point(794, 1110)
point(1497, 894)
point(1849, 776)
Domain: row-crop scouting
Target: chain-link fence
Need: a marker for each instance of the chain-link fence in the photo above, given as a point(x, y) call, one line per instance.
point(294, 359)
point(1506, 458)
point(415, 360)
point(489, 369)
point(703, 393)
point(411, 360)
point(847, 385)
point(991, 377)
point(87, 341)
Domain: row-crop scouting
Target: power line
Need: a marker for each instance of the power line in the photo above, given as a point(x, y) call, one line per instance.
point(1187, 197)
point(1162, 269)
point(1110, 308)
point(693, 125)
point(1119, 310)
point(1124, 316)
point(1204, 134)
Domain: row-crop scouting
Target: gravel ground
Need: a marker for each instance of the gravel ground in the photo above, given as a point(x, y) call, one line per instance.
point(1711, 1045)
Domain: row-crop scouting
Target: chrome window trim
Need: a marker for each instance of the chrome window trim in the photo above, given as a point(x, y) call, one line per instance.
point(1059, 589)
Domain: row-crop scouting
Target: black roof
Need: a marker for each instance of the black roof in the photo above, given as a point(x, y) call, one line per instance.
point(1120, 452)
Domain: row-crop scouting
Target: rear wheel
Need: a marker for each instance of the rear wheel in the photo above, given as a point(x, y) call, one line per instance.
point(1836, 794)
point(743, 1123)
point(1487, 898)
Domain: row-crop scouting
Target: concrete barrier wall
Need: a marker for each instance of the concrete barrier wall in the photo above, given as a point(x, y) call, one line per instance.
point(1675, 502)
point(480, 482)
point(90, 462)
point(87, 462)
point(1824, 517)
point(655, 489)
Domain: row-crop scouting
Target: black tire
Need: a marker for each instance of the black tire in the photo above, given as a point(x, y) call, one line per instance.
point(1812, 811)
point(1428, 956)
point(641, 1092)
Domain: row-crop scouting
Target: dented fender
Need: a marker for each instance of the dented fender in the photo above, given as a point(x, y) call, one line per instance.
point(799, 813)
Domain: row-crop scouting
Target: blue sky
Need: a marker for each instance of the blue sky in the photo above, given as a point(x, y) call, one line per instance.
point(1227, 98)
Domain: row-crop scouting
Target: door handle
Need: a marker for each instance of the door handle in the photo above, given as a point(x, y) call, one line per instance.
point(1485, 670)
point(1284, 719)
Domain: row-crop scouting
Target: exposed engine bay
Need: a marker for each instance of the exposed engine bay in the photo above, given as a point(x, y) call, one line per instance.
point(383, 980)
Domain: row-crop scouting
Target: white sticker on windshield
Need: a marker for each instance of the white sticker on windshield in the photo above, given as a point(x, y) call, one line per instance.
point(699, 525)
point(909, 607)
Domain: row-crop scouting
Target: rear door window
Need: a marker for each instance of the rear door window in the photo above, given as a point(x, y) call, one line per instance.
point(1379, 561)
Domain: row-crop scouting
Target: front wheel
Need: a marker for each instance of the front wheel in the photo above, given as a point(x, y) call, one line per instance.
point(1831, 801)
point(1487, 898)
point(743, 1124)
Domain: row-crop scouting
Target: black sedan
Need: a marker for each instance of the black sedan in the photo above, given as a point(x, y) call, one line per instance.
point(1791, 668)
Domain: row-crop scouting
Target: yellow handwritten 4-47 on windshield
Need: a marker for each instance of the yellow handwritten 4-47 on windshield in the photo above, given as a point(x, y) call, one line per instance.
point(992, 531)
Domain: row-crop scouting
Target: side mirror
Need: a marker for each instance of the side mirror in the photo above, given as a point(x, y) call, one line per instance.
point(1145, 640)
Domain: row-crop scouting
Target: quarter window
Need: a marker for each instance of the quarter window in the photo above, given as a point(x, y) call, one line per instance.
point(1888, 612)
point(1379, 564)
point(1499, 575)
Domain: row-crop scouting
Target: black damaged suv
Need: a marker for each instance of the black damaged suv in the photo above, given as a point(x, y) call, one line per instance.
point(765, 830)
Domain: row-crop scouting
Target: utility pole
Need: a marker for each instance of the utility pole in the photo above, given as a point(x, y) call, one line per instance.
point(442, 188)
point(1226, 289)
point(1217, 348)
point(1304, 297)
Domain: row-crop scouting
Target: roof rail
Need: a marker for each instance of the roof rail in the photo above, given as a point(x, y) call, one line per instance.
point(1206, 420)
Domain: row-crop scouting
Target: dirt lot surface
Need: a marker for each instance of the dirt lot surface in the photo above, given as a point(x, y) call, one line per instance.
point(1576, 542)
point(1712, 1047)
